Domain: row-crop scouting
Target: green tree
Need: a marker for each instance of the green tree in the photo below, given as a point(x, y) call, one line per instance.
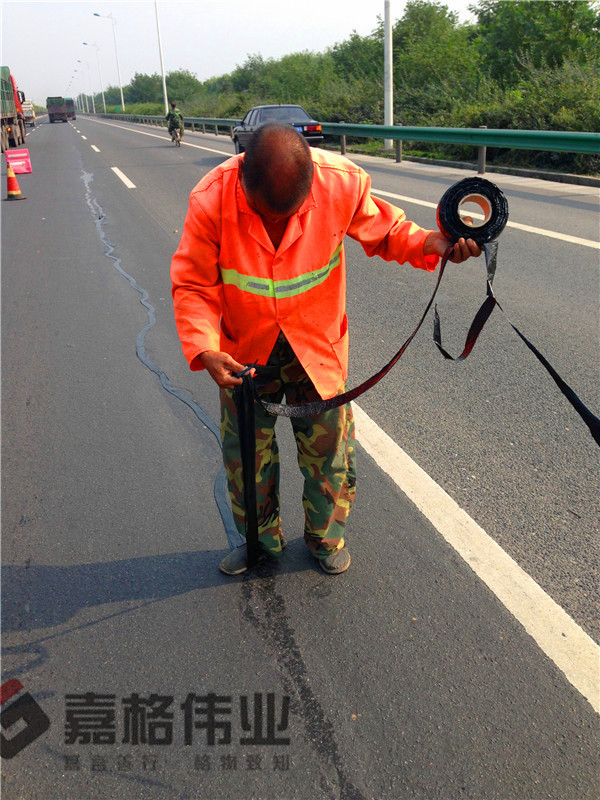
point(112, 95)
point(545, 34)
point(144, 89)
point(248, 77)
point(435, 64)
point(182, 86)
point(360, 57)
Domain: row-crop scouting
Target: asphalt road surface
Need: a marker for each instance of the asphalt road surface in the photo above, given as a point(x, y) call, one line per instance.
point(145, 672)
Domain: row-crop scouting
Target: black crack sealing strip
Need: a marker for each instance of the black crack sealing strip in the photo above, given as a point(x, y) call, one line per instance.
point(487, 195)
point(220, 485)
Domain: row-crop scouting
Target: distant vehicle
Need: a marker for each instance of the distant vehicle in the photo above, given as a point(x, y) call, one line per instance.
point(57, 109)
point(70, 103)
point(13, 123)
point(28, 113)
point(293, 115)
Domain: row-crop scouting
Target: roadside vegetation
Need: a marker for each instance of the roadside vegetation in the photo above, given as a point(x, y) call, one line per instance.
point(522, 65)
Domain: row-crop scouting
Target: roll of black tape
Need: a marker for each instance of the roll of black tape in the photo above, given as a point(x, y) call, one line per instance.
point(476, 191)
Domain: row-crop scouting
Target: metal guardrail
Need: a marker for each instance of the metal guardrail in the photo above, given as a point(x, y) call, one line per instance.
point(482, 137)
point(562, 141)
point(201, 123)
point(565, 141)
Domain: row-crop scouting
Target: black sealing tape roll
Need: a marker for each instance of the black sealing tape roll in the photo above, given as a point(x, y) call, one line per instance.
point(479, 192)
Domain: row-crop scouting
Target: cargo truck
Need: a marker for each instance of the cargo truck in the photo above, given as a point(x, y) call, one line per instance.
point(57, 109)
point(70, 103)
point(28, 113)
point(13, 123)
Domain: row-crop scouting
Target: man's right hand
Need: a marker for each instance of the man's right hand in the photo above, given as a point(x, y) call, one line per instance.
point(221, 367)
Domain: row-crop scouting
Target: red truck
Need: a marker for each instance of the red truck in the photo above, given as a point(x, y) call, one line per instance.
point(13, 119)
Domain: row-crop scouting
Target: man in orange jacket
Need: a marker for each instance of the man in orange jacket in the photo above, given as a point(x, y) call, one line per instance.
point(259, 277)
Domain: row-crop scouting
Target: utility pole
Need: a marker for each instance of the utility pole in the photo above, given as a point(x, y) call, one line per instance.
point(99, 73)
point(114, 23)
point(162, 66)
point(388, 74)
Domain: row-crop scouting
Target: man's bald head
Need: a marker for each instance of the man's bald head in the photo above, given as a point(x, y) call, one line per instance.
point(277, 167)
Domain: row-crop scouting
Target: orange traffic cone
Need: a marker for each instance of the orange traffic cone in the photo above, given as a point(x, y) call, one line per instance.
point(12, 186)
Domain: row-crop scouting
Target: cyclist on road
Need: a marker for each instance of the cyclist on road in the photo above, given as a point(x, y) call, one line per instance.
point(175, 120)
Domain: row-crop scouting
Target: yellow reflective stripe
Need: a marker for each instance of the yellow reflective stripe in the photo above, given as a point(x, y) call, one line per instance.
point(266, 287)
point(247, 283)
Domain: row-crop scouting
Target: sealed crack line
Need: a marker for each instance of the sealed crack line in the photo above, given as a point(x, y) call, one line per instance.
point(274, 627)
point(220, 485)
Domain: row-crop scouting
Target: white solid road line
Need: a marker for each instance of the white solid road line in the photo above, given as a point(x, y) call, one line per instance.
point(164, 138)
point(560, 638)
point(564, 237)
point(557, 635)
point(129, 184)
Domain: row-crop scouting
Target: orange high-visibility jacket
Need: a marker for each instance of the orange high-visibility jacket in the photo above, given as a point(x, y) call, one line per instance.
point(233, 292)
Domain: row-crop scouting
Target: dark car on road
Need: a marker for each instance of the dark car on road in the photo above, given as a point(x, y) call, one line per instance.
point(293, 115)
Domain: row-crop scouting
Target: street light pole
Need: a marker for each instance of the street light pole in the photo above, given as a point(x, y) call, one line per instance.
point(114, 24)
point(82, 95)
point(388, 75)
point(99, 73)
point(162, 66)
point(87, 63)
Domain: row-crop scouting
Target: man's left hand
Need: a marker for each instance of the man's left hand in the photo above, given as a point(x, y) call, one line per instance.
point(437, 244)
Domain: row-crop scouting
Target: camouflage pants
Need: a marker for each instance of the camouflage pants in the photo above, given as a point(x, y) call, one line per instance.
point(325, 445)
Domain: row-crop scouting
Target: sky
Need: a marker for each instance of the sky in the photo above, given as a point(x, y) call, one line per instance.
point(42, 42)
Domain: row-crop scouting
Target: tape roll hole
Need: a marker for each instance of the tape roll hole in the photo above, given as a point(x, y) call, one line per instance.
point(470, 207)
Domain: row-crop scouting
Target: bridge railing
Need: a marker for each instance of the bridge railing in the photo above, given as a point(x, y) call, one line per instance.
point(563, 141)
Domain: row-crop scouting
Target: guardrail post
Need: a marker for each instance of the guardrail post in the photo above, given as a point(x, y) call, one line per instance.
point(342, 141)
point(216, 130)
point(481, 154)
point(398, 151)
point(203, 128)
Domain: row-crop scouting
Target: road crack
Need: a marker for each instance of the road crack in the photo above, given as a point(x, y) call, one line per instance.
point(220, 484)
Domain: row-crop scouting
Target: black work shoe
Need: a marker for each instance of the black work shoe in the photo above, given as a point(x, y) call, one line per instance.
point(338, 562)
point(236, 561)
